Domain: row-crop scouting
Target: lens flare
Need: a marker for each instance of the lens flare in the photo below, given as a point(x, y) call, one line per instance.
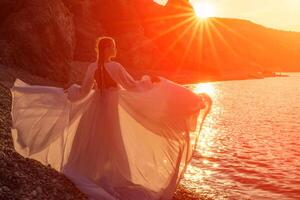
point(203, 9)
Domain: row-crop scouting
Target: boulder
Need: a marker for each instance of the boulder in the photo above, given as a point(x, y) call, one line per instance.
point(38, 36)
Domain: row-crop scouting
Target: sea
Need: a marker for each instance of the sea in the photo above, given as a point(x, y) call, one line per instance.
point(249, 146)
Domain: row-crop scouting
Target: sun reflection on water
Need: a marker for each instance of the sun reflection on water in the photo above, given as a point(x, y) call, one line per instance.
point(248, 145)
point(207, 88)
point(203, 167)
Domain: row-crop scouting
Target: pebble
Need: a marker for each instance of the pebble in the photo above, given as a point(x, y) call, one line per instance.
point(39, 189)
point(5, 189)
point(33, 193)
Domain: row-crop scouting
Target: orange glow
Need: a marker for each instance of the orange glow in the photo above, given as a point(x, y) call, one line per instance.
point(192, 36)
point(276, 14)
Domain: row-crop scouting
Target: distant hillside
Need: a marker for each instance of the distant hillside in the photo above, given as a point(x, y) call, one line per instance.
point(220, 45)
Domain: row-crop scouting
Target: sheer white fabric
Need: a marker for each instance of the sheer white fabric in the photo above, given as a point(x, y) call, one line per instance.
point(134, 142)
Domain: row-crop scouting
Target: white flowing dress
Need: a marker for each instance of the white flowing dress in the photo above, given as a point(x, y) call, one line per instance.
point(134, 142)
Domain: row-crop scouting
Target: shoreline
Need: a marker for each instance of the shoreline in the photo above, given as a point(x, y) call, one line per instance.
point(183, 80)
point(233, 79)
point(185, 77)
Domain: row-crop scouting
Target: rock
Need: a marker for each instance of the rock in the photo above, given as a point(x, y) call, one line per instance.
point(34, 193)
point(119, 19)
point(2, 156)
point(5, 189)
point(87, 27)
point(54, 180)
point(6, 192)
point(37, 35)
point(39, 190)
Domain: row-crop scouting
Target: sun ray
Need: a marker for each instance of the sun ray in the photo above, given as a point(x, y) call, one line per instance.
point(202, 30)
point(186, 11)
point(177, 40)
point(167, 17)
point(155, 19)
point(212, 44)
point(231, 30)
point(201, 39)
point(191, 39)
point(236, 33)
point(221, 37)
point(173, 28)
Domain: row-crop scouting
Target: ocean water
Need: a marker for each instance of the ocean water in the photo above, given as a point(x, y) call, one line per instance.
point(249, 147)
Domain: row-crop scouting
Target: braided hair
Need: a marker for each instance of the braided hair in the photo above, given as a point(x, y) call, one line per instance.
point(101, 44)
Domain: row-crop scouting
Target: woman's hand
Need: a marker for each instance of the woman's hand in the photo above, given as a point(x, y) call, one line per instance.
point(66, 92)
point(73, 93)
point(154, 79)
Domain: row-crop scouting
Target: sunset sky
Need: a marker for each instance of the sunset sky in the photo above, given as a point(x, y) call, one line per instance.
point(280, 14)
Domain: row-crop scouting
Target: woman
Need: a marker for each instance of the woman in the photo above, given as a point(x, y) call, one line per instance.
point(113, 136)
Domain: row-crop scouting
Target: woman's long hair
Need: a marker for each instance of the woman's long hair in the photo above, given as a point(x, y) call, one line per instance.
point(101, 44)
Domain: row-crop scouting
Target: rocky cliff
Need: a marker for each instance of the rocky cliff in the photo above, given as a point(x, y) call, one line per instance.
point(118, 19)
point(37, 35)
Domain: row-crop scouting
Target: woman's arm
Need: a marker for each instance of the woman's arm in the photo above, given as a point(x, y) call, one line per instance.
point(123, 78)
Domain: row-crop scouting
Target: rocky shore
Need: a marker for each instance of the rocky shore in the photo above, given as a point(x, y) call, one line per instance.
point(22, 178)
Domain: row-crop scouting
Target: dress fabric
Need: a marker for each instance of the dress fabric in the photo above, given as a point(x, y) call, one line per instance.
point(132, 142)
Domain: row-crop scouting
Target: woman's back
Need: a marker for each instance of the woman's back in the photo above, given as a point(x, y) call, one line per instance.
point(107, 80)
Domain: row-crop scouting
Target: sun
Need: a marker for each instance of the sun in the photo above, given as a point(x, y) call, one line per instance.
point(203, 9)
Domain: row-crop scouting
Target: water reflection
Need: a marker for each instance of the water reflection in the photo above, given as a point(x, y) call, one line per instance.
point(200, 171)
point(249, 144)
point(207, 88)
